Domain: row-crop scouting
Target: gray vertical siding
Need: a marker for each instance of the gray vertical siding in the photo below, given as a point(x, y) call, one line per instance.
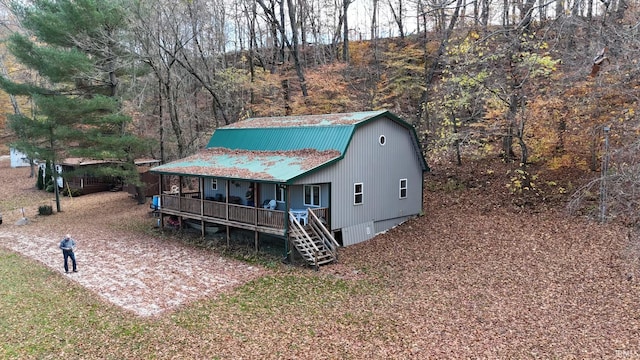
point(380, 169)
point(296, 201)
point(208, 192)
point(236, 188)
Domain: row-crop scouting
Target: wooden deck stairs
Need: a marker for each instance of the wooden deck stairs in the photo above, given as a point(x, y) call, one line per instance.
point(313, 240)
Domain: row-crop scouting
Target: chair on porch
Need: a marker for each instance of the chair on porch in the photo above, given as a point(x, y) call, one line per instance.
point(301, 215)
point(269, 204)
point(304, 218)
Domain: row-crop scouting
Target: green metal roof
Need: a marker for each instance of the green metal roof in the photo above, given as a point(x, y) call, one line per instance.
point(320, 132)
point(283, 139)
point(278, 149)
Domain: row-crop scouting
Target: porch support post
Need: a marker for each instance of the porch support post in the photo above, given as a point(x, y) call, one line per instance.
point(226, 200)
point(226, 211)
point(256, 239)
point(179, 191)
point(255, 198)
point(161, 202)
point(288, 244)
point(180, 201)
point(201, 186)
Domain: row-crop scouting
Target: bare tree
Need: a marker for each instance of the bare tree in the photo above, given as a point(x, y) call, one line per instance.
point(398, 16)
point(431, 67)
point(345, 30)
point(159, 39)
point(374, 20)
point(292, 45)
point(295, 51)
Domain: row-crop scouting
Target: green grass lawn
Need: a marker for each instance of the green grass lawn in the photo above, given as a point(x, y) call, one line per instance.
point(43, 315)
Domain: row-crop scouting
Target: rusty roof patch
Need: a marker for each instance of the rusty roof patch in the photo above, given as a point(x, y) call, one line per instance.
point(279, 166)
point(305, 120)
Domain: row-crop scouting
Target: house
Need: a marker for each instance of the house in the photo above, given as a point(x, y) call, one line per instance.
point(150, 181)
point(320, 181)
point(18, 159)
point(84, 182)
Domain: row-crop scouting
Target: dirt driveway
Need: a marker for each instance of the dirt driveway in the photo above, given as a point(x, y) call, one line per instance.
point(144, 274)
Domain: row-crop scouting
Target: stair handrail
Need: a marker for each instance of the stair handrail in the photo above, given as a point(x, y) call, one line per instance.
point(297, 224)
point(324, 229)
point(326, 243)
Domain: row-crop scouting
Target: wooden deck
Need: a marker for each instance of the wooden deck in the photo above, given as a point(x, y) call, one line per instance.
point(222, 213)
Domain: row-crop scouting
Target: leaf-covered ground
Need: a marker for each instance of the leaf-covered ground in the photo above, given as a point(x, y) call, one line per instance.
point(474, 277)
point(132, 269)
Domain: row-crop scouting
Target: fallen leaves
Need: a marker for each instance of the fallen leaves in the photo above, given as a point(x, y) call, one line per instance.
point(472, 278)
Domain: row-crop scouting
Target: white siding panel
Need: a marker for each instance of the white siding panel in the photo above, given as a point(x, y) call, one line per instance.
point(384, 225)
point(357, 233)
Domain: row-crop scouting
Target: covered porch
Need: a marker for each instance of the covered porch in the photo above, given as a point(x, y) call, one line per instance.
point(299, 214)
point(262, 207)
point(188, 206)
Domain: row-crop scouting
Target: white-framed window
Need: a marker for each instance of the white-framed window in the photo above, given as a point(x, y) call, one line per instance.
point(279, 196)
point(382, 140)
point(358, 193)
point(403, 189)
point(312, 195)
point(214, 184)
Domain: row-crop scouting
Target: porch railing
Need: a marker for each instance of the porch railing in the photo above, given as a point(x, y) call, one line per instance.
point(80, 182)
point(224, 211)
point(321, 213)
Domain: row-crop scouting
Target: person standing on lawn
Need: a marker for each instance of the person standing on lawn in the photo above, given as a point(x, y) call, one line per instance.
point(68, 245)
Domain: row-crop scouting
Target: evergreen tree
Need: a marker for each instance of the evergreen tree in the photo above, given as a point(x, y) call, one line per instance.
point(74, 47)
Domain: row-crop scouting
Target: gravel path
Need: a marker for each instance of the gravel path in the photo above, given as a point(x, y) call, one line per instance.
point(141, 273)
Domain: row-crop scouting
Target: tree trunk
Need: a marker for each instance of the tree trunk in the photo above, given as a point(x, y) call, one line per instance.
point(559, 8)
point(252, 45)
point(294, 48)
point(507, 140)
point(345, 31)
point(505, 13)
point(484, 16)
point(457, 141)
point(621, 10)
point(524, 151)
point(398, 17)
point(160, 121)
point(174, 118)
point(286, 96)
point(374, 21)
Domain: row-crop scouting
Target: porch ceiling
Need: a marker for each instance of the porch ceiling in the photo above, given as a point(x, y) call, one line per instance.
point(271, 166)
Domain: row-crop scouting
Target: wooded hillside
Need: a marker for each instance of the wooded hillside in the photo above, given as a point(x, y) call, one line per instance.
point(534, 84)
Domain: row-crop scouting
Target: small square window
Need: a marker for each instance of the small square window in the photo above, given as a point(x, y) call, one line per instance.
point(358, 193)
point(403, 188)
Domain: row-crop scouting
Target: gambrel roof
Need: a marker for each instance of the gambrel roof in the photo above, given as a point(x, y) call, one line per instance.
point(278, 149)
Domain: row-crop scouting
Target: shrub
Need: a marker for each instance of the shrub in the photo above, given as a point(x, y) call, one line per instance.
point(71, 192)
point(40, 181)
point(45, 210)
